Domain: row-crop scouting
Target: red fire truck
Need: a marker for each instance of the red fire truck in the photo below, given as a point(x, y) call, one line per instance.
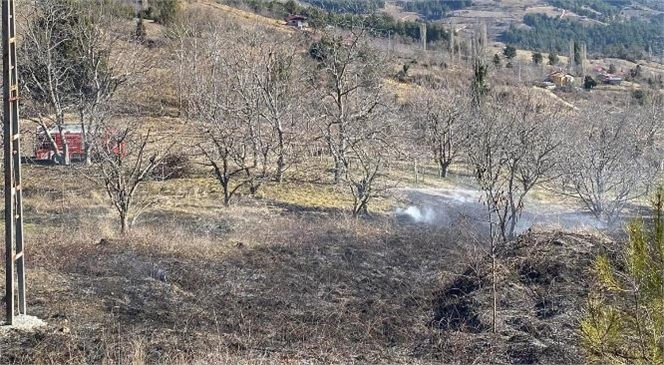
point(74, 137)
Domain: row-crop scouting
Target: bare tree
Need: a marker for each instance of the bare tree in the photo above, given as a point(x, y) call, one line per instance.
point(48, 75)
point(371, 148)
point(77, 63)
point(441, 117)
point(364, 172)
point(224, 106)
point(350, 89)
point(184, 33)
point(513, 147)
point(515, 138)
point(605, 161)
point(126, 157)
point(282, 84)
point(106, 62)
point(355, 111)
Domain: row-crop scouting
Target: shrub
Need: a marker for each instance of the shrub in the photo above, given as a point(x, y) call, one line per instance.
point(174, 166)
point(163, 11)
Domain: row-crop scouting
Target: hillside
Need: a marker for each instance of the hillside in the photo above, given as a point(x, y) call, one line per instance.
point(627, 30)
point(261, 282)
point(214, 186)
point(599, 23)
point(248, 18)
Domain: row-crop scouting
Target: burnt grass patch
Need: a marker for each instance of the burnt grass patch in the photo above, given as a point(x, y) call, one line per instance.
point(309, 289)
point(323, 293)
point(454, 307)
point(543, 278)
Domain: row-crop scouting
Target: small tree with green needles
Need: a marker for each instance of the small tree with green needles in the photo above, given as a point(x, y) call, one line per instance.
point(624, 317)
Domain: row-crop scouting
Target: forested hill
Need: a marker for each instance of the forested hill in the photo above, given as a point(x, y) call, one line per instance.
point(349, 6)
point(621, 39)
point(433, 9)
point(604, 10)
point(626, 29)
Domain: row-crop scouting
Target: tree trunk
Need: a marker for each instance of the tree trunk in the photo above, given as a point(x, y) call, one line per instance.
point(338, 169)
point(87, 144)
point(227, 196)
point(51, 140)
point(280, 168)
point(65, 152)
point(511, 231)
point(281, 163)
point(124, 223)
point(494, 268)
point(65, 159)
point(361, 209)
point(88, 153)
point(444, 167)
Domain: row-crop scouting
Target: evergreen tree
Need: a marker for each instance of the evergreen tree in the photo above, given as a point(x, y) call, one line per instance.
point(509, 52)
point(624, 317)
point(165, 11)
point(577, 53)
point(291, 7)
point(619, 39)
point(537, 58)
point(636, 72)
point(612, 68)
point(497, 61)
point(553, 59)
point(479, 86)
point(589, 83)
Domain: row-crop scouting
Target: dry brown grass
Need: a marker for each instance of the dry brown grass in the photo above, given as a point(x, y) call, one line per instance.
point(241, 16)
point(249, 284)
point(280, 279)
point(244, 285)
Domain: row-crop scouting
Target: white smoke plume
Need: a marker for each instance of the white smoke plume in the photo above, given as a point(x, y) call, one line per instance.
point(450, 207)
point(416, 215)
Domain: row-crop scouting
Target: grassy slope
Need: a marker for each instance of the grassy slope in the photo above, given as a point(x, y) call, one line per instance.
point(241, 15)
point(252, 281)
point(280, 279)
point(252, 284)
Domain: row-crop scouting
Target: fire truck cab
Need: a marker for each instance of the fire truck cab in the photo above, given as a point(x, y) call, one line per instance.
point(74, 136)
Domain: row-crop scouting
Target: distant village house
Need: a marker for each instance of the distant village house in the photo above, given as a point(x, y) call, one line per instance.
point(560, 79)
point(297, 21)
point(609, 79)
point(606, 77)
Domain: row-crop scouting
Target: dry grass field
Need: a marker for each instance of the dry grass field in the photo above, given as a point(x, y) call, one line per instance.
point(286, 276)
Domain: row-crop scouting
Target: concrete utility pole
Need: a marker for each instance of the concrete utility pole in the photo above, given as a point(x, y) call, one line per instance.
point(570, 58)
point(423, 35)
point(584, 56)
point(389, 41)
point(14, 257)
